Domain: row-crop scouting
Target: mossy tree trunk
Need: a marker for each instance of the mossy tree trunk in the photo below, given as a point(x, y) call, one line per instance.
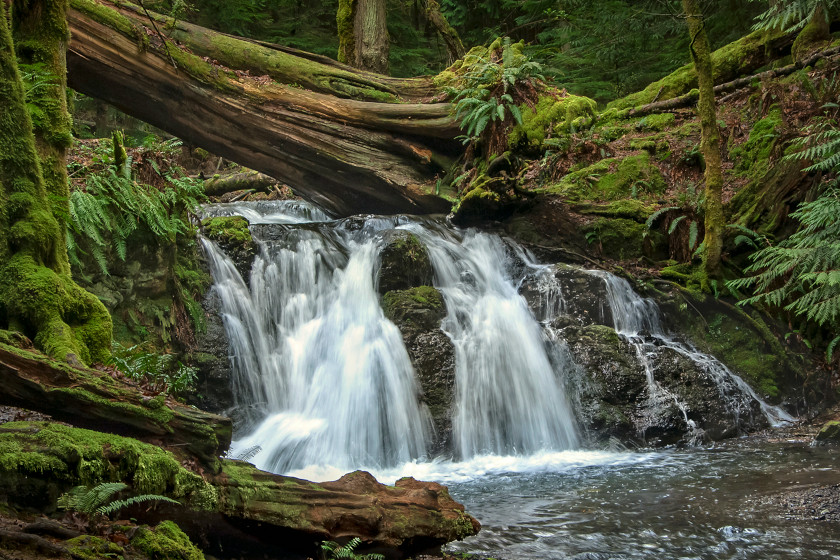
point(303, 119)
point(37, 295)
point(450, 37)
point(710, 139)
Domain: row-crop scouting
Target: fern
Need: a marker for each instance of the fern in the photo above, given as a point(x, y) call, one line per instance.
point(802, 273)
point(791, 15)
point(99, 499)
point(333, 551)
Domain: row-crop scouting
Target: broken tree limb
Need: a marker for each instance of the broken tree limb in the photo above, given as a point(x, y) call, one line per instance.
point(691, 97)
point(217, 186)
point(345, 154)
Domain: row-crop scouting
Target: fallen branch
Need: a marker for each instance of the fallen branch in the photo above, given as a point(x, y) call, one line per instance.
point(691, 97)
point(218, 186)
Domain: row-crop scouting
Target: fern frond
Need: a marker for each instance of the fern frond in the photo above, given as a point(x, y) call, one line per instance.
point(133, 500)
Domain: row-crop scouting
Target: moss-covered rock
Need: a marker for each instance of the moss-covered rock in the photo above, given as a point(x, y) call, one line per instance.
point(816, 34)
point(166, 541)
point(829, 432)
point(233, 235)
point(752, 158)
point(404, 262)
point(418, 313)
point(89, 547)
point(616, 238)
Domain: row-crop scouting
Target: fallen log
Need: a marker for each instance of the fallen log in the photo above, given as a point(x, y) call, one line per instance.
point(93, 399)
point(217, 186)
point(240, 504)
point(273, 110)
point(691, 97)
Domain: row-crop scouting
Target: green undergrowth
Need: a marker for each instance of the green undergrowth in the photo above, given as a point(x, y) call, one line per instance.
point(611, 179)
point(554, 114)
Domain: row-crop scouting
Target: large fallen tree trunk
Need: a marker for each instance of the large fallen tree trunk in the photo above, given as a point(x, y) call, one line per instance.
point(281, 112)
point(93, 399)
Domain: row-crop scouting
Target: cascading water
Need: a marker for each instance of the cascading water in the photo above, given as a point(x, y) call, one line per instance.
point(510, 400)
point(324, 375)
point(637, 321)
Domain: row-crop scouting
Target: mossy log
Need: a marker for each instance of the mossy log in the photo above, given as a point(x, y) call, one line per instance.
point(411, 515)
point(92, 399)
point(40, 460)
point(336, 135)
point(738, 58)
point(217, 186)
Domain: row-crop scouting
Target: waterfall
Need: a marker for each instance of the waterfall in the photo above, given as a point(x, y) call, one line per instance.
point(636, 319)
point(322, 374)
point(510, 400)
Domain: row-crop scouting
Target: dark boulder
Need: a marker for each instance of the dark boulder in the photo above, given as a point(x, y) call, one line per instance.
point(404, 262)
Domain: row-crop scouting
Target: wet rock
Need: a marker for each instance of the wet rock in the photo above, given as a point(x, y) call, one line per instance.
point(830, 432)
point(213, 392)
point(405, 263)
point(418, 313)
point(234, 237)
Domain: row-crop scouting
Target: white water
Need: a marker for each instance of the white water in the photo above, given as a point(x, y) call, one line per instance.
point(323, 374)
point(637, 321)
point(326, 386)
point(510, 400)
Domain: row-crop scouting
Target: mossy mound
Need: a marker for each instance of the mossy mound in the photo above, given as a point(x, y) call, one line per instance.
point(89, 547)
point(553, 114)
point(752, 158)
point(610, 180)
point(165, 542)
point(230, 230)
point(398, 304)
point(40, 460)
point(617, 238)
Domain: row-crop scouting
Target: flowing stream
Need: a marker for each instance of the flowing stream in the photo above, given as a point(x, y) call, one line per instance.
point(324, 385)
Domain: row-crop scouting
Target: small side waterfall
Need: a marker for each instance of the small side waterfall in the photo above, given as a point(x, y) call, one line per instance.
point(637, 321)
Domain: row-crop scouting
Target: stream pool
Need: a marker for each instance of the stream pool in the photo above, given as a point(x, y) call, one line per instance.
point(717, 502)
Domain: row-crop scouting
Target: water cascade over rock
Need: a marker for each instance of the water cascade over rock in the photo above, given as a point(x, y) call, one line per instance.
point(324, 382)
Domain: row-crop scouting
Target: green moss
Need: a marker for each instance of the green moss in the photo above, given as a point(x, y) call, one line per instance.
point(395, 302)
point(813, 36)
point(165, 542)
point(612, 179)
point(616, 238)
point(72, 456)
point(110, 18)
point(249, 487)
point(88, 547)
point(345, 16)
point(657, 121)
point(552, 115)
point(728, 62)
point(830, 431)
point(228, 229)
point(752, 158)
point(626, 208)
point(198, 68)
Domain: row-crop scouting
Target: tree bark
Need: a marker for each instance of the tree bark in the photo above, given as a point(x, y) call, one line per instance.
point(710, 139)
point(37, 295)
point(347, 155)
point(450, 37)
point(371, 30)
